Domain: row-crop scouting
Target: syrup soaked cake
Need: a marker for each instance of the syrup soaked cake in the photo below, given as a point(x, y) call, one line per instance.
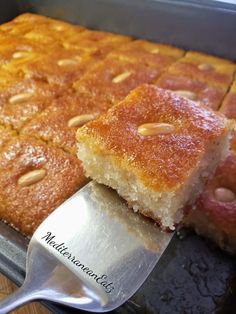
point(152, 54)
point(21, 100)
point(58, 123)
point(205, 68)
point(192, 88)
point(228, 108)
point(6, 134)
point(214, 214)
point(35, 178)
point(156, 149)
point(112, 79)
point(199, 77)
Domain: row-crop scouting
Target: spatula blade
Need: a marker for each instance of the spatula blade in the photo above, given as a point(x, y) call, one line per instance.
point(110, 249)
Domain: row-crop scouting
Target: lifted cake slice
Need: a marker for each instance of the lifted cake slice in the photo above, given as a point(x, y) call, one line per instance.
point(156, 149)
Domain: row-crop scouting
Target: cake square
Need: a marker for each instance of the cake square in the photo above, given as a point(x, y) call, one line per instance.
point(60, 66)
point(6, 134)
point(58, 123)
point(96, 42)
point(40, 28)
point(112, 79)
point(193, 89)
point(156, 149)
point(208, 69)
point(214, 214)
point(149, 53)
point(15, 51)
point(35, 178)
point(20, 101)
point(104, 37)
point(228, 108)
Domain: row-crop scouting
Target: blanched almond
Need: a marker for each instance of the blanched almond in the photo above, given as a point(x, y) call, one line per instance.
point(58, 27)
point(121, 77)
point(81, 119)
point(186, 94)
point(224, 195)
point(155, 129)
point(67, 62)
point(36, 36)
point(20, 98)
point(154, 50)
point(20, 54)
point(31, 177)
point(151, 48)
point(205, 67)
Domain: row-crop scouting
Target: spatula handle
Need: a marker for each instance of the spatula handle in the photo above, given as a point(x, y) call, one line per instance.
point(15, 300)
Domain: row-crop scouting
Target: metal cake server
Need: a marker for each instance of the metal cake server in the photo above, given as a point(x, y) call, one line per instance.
point(92, 253)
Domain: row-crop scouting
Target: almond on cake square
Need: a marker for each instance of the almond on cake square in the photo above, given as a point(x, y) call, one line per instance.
point(112, 79)
point(149, 53)
point(35, 178)
point(58, 123)
point(205, 68)
point(214, 214)
point(156, 149)
point(193, 89)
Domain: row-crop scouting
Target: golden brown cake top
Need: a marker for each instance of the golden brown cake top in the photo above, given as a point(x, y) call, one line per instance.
point(14, 50)
point(158, 135)
point(193, 89)
point(59, 66)
point(218, 200)
point(112, 79)
point(6, 134)
point(95, 42)
point(149, 53)
point(103, 37)
point(229, 104)
point(35, 178)
point(206, 68)
point(40, 28)
point(22, 100)
point(220, 64)
point(58, 123)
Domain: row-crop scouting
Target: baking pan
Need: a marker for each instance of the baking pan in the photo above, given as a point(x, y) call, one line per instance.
point(204, 25)
point(192, 276)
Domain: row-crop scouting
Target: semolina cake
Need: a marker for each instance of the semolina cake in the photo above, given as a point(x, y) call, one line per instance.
point(199, 77)
point(229, 105)
point(205, 68)
point(149, 53)
point(156, 149)
point(58, 123)
point(214, 214)
point(56, 77)
point(228, 108)
point(191, 88)
point(97, 41)
point(59, 66)
point(112, 79)
point(23, 99)
point(6, 134)
point(40, 29)
point(35, 178)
